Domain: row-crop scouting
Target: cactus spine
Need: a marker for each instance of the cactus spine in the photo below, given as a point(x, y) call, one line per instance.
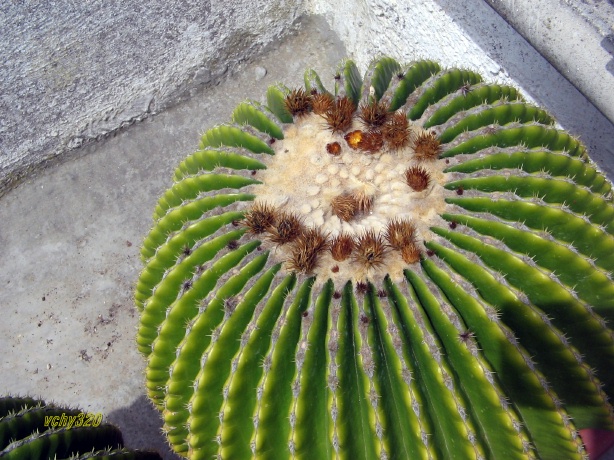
point(417, 264)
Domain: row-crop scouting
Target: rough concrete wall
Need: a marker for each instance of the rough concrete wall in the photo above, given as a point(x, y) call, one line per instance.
point(577, 37)
point(468, 34)
point(74, 71)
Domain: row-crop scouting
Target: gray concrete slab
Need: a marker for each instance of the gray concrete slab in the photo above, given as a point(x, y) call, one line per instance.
point(75, 71)
point(576, 36)
point(70, 238)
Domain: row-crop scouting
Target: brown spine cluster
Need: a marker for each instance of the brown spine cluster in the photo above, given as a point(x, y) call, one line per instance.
point(410, 254)
point(369, 250)
point(298, 102)
point(339, 116)
point(386, 128)
point(401, 236)
point(427, 147)
point(400, 232)
point(374, 114)
point(465, 88)
point(345, 207)
point(396, 131)
point(286, 229)
point(259, 218)
point(417, 178)
point(322, 103)
point(306, 250)
point(341, 247)
point(371, 142)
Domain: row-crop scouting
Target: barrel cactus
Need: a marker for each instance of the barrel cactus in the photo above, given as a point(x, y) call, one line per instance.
point(33, 429)
point(415, 264)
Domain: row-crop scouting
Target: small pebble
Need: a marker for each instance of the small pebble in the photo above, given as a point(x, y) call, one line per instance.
point(356, 170)
point(305, 208)
point(259, 72)
point(344, 174)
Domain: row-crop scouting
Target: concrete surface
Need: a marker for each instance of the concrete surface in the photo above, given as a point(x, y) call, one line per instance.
point(70, 237)
point(576, 36)
point(74, 71)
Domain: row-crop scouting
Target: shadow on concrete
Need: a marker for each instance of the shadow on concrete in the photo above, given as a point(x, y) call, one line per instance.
point(141, 426)
point(608, 44)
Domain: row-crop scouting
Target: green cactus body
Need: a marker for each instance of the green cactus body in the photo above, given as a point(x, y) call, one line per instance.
point(415, 264)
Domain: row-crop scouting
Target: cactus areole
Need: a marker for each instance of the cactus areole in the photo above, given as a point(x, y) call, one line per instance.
point(415, 264)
